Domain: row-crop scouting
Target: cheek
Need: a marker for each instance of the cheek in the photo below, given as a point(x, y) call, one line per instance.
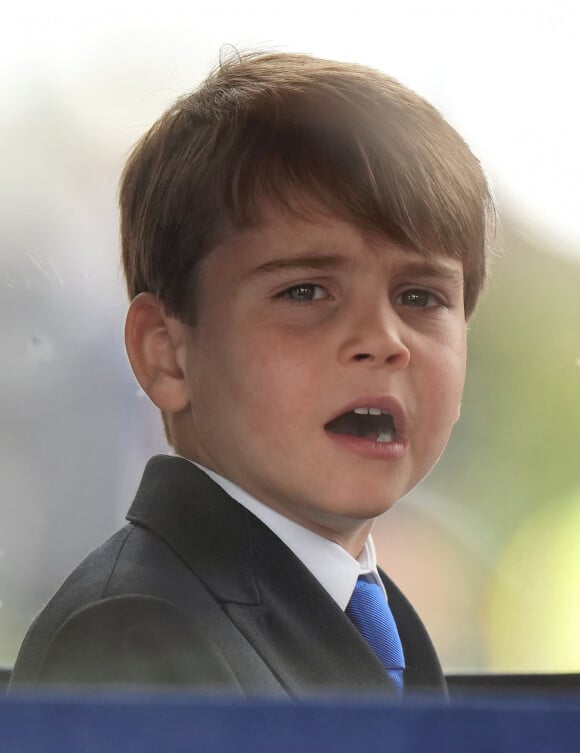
point(453, 359)
point(445, 387)
point(453, 382)
point(249, 380)
point(279, 364)
point(279, 392)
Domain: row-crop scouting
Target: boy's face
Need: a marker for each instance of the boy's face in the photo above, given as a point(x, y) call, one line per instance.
point(301, 322)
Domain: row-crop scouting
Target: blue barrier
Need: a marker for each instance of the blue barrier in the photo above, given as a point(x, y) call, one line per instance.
point(180, 724)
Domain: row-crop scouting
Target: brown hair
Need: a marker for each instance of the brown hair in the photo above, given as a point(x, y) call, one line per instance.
point(295, 128)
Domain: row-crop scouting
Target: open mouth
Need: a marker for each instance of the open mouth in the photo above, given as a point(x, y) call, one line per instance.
point(366, 423)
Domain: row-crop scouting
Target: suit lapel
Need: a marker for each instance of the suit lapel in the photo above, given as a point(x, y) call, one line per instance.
point(205, 527)
point(283, 612)
point(423, 671)
point(299, 630)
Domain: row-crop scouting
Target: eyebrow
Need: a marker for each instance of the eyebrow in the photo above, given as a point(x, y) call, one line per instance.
point(301, 262)
point(436, 270)
point(425, 268)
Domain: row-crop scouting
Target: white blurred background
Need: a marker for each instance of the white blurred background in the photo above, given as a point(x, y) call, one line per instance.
point(79, 84)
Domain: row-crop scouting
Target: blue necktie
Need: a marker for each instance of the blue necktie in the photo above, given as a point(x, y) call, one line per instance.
point(370, 612)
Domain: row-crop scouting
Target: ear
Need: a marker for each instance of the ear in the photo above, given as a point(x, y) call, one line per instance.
point(151, 343)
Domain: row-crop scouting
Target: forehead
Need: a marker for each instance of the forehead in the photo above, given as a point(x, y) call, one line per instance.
point(315, 239)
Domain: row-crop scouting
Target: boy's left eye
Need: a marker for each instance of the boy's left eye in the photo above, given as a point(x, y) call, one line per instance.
point(305, 292)
point(419, 298)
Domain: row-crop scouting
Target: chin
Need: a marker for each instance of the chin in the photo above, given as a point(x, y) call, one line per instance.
point(363, 507)
point(370, 512)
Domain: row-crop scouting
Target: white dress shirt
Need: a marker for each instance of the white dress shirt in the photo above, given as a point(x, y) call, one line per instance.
point(335, 569)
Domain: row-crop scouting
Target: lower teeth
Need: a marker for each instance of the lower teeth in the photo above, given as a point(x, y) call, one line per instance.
point(384, 438)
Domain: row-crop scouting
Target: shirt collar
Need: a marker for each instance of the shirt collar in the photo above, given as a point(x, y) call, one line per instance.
point(335, 569)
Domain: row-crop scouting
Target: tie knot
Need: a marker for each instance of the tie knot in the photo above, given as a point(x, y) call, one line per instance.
point(370, 612)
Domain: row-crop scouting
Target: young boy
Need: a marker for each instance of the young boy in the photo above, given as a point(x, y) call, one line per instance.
point(303, 241)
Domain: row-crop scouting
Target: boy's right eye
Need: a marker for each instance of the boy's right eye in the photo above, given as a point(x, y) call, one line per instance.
point(305, 292)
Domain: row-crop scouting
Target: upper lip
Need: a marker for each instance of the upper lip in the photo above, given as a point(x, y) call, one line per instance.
point(386, 403)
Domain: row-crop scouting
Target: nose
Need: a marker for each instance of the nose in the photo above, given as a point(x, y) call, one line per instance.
point(375, 337)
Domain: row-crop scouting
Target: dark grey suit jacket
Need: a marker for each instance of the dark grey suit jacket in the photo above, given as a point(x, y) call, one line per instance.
point(196, 592)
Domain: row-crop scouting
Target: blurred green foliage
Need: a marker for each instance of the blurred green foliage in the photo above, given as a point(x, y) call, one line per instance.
point(532, 606)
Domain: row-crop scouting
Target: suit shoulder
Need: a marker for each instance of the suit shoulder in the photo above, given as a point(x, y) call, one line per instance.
point(132, 640)
point(132, 575)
